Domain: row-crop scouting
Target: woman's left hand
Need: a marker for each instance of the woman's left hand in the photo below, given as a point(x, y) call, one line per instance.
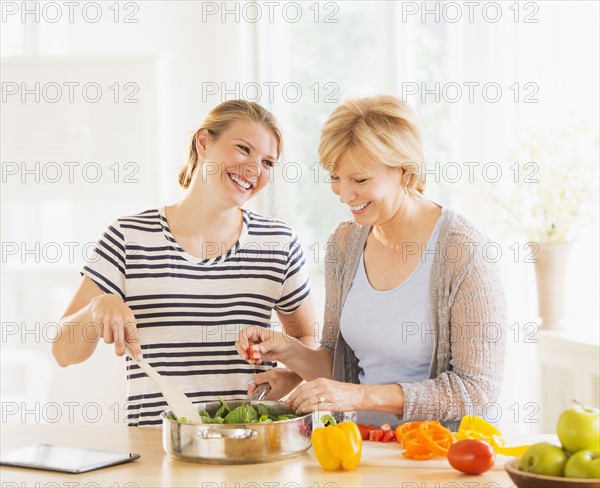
point(324, 394)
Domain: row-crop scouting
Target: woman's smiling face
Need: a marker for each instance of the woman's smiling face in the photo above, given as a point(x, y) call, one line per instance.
point(373, 191)
point(237, 164)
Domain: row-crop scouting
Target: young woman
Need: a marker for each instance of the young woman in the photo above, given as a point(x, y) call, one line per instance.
point(178, 283)
point(414, 316)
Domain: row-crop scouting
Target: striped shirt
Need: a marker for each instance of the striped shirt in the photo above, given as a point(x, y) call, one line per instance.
point(188, 310)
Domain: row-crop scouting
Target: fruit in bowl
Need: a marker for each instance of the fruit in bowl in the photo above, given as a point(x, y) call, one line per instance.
point(578, 428)
point(523, 479)
point(544, 458)
point(583, 464)
point(576, 463)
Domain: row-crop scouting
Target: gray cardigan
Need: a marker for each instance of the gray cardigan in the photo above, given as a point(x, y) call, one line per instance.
point(468, 312)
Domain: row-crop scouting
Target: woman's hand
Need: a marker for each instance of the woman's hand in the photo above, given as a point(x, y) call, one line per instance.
point(282, 381)
point(257, 344)
point(115, 323)
point(324, 394)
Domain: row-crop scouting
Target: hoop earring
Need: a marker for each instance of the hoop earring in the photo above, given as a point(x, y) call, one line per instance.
point(406, 189)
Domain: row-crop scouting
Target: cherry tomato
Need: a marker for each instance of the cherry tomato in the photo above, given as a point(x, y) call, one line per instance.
point(254, 352)
point(471, 456)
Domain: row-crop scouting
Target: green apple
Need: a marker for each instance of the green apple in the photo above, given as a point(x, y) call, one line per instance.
point(584, 464)
point(544, 458)
point(578, 428)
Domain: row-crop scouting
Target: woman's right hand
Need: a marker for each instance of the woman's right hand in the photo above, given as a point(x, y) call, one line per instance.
point(115, 323)
point(257, 344)
point(282, 381)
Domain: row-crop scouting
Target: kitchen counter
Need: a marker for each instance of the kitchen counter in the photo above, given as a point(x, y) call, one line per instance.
point(155, 468)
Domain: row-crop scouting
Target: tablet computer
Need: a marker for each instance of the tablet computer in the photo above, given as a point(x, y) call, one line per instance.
point(63, 458)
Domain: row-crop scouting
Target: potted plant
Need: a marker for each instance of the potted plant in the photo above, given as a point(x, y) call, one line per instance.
point(551, 199)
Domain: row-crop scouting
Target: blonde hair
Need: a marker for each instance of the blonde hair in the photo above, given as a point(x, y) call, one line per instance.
point(219, 119)
point(380, 129)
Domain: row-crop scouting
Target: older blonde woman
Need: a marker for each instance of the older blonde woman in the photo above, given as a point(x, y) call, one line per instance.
point(414, 315)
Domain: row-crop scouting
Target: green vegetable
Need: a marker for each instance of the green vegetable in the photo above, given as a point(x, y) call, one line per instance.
point(241, 415)
point(244, 414)
point(286, 416)
point(224, 410)
point(262, 410)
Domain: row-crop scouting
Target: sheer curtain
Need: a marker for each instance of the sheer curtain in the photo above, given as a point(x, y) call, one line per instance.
point(483, 89)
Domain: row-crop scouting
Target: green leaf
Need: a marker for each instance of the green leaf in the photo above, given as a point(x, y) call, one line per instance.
point(262, 410)
point(238, 416)
point(243, 414)
point(223, 410)
point(252, 414)
point(286, 416)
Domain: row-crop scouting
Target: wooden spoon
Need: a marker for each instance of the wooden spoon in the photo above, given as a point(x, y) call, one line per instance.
point(181, 405)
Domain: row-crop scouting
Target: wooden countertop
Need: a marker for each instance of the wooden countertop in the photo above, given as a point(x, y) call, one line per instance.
point(156, 469)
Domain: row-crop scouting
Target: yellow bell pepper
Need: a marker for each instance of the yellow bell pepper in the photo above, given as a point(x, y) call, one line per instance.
point(472, 427)
point(477, 424)
point(337, 445)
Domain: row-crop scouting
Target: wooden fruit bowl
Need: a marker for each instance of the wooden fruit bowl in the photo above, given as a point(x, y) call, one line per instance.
point(529, 480)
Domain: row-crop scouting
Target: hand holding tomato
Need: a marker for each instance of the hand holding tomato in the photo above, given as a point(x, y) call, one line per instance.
point(259, 344)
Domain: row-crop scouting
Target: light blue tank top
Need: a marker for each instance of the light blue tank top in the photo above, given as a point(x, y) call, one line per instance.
point(390, 331)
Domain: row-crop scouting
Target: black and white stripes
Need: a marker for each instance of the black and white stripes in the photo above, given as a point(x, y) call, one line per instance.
point(189, 311)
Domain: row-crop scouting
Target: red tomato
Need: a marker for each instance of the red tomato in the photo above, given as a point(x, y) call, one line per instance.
point(388, 435)
point(376, 435)
point(364, 431)
point(254, 352)
point(471, 456)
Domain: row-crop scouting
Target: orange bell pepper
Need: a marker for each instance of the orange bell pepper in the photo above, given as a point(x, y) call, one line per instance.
point(436, 437)
point(426, 439)
point(423, 440)
point(403, 429)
